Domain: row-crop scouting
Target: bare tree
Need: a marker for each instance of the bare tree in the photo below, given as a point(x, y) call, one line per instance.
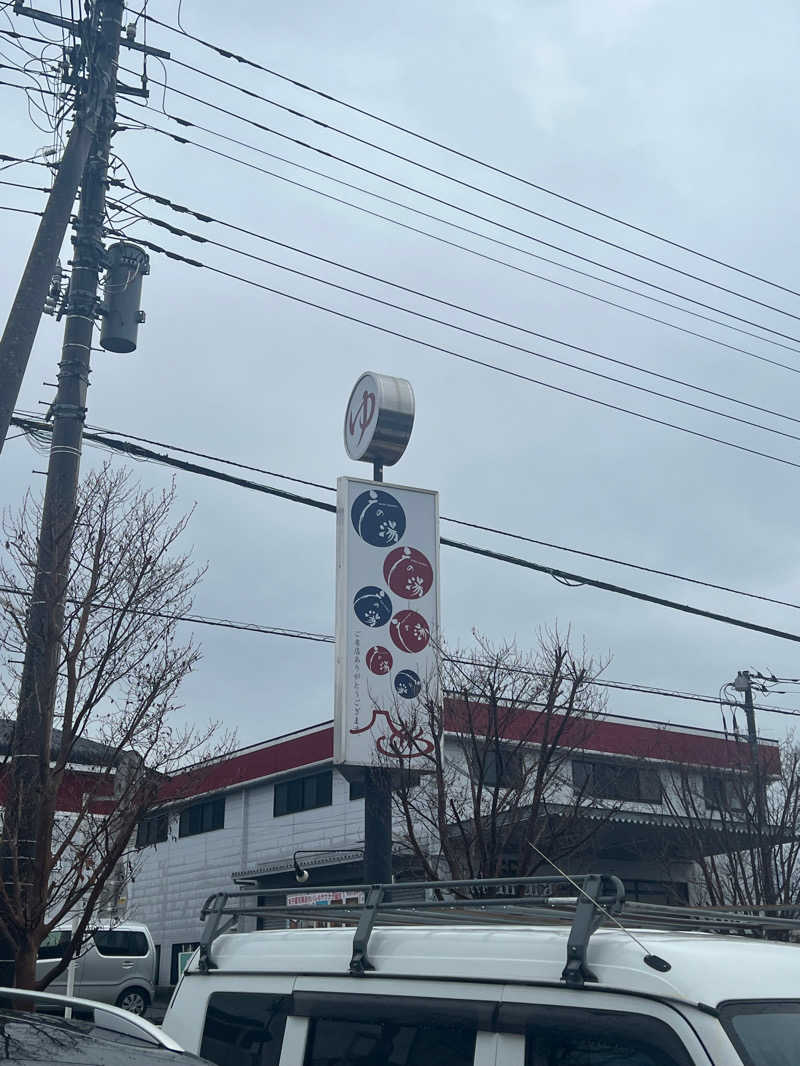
point(723, 833)
point(494, 779)
point(117, 729)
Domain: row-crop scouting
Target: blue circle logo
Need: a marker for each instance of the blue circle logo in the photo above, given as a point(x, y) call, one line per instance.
point(372, 606)
point(407, 684)
point(378, 518)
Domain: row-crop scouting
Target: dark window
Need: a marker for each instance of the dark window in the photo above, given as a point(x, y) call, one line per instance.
point(244, 1029)
point(502, 768)
point(189, 945)
point(564, 1036)
point(303, 793)
point(152, 830)
point(764, 1033)
point(54, 944)
point(202, 817)
point(721, 792)
point(399, 1042)
point(618, 781)
point(120, 942)
point(157, 967)
point(357, 790)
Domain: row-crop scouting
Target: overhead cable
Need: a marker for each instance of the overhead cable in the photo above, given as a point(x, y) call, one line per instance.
point(149, 127)
point(180, 232)
point(307, 146)
point(137, 451)
point(398, 127)
point(207, 218)
point(463, 357)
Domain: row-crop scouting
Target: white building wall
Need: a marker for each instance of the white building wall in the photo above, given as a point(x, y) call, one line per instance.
point(173, 879)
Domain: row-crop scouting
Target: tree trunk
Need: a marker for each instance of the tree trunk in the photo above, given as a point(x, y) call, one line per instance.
point(26, 964)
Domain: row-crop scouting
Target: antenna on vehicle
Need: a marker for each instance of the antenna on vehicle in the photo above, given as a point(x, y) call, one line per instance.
point(655, 962)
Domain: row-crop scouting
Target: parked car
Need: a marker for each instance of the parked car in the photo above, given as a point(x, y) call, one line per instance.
point(494, 986)
point(117, 965)
point(112, 1037)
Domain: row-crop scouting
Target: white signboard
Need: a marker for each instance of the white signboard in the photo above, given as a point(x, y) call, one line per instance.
point(387, 620)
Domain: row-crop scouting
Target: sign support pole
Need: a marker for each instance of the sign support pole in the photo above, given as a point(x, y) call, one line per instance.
point(377, 806)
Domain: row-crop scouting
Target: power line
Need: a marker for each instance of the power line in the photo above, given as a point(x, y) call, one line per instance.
point(329, 638)
point(474, 214)
point(148, 127)
point(137, 451)
point(180, 232)
point(295, 113)
point(20, 210)
point(388, 331)
point(207, 218)
point(460, 522)
point(466, 156)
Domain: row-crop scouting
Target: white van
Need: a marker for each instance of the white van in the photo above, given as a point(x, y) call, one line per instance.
point(116, 966)
point(477, 983)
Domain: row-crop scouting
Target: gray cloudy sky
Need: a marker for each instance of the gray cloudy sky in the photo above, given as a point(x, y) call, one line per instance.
point(675, 115)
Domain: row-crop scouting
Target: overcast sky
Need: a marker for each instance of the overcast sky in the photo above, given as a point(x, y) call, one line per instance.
point(677, 116)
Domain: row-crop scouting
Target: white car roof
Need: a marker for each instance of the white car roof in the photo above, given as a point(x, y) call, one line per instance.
point(705, 967)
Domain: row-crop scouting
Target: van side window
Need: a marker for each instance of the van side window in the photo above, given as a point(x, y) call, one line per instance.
point(120, 942)
point(358, 1042)
point(244, 1029)
point(569, 1036)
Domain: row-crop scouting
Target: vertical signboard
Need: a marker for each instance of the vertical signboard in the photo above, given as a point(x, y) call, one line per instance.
point(387, 621)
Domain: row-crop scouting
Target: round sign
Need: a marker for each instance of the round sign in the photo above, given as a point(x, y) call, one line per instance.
point(409, 631)
point(379, 419)
point(407, 684)
point(372, 606)
point(378, 518)
point(408, 573)
point(379, 660)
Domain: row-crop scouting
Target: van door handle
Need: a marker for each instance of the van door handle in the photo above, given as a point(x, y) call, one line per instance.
point(127, 965)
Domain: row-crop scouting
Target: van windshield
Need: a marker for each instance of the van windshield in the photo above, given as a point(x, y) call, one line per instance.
point(765, 1032)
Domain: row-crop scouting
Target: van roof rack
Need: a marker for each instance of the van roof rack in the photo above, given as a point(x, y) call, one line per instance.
point(499, 900)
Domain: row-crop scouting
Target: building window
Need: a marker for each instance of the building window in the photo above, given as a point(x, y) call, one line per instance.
point(303, 793)
point(202, 817)
point(152, 830)
point(502, 768)
point(725, 793)
point(616, 781)
point(357, 790)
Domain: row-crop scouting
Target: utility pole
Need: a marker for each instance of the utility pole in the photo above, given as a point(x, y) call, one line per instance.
point(744, 684)
point(26, 311)
point(27, 837)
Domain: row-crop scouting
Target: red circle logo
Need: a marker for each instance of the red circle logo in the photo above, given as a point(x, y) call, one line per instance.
point(379, 660)
point(408, 573)
point(409, 631)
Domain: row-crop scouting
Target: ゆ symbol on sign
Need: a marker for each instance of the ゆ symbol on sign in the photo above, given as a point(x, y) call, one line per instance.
point(362, 416)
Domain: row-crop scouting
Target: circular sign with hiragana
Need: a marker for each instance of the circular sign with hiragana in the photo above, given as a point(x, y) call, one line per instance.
point(372, 606)
point(379, 419)
point(378, 518)
point(407, 684)
point(410, 631)
point(408, 573)
point(379, 660)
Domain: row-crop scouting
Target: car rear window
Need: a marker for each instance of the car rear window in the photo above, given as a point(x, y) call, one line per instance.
point(118, 942)
point(244, 1028)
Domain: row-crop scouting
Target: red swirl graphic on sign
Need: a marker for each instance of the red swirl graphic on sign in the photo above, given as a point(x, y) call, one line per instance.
point(362, 416)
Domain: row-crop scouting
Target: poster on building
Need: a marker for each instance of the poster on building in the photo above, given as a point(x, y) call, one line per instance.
point(387, 621)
